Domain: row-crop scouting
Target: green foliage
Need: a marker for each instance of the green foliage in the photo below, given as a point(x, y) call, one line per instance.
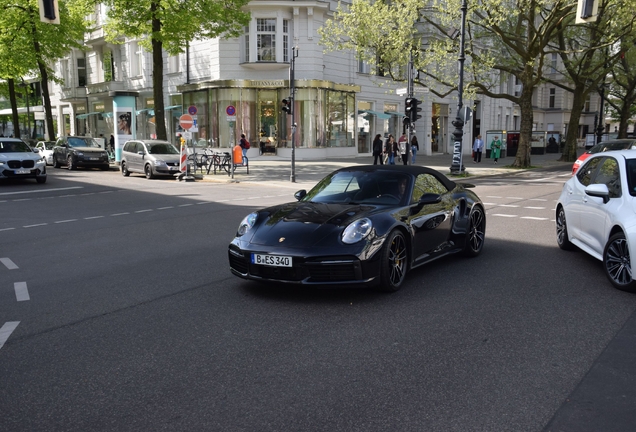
point(179, 22)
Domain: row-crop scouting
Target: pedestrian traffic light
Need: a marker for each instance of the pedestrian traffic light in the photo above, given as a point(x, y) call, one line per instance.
point(287, 106)
point(411, 109)
point(406, 121)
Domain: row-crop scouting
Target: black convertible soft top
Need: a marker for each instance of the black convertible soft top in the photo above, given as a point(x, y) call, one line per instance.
point(413, 170)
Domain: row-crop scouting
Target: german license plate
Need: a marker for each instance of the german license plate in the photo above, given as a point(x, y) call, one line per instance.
point(23, 171)
point(272, 260)
point(94, 158)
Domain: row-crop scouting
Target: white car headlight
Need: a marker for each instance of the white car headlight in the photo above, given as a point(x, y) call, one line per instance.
point(247, 223)
point(356, 231)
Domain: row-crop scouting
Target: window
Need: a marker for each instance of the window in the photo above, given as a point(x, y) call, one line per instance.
point(173, 64)
point(286, 41)
point(266, 39)
point(108, 64)
point(246, 43)
point(552, 101)
point(81, 72)
point(609, 175)
point(64, 73)
point(136, 59)
point(553, 64)
point(586, 172)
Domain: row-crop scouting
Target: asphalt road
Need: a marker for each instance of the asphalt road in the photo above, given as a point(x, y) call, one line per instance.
point(124, 316)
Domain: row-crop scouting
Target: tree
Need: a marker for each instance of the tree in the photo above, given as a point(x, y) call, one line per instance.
point(29, 46)
point(170, 26)
point(621, 95)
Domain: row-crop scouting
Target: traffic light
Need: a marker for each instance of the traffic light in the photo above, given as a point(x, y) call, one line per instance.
point(287, 106)
point(411, 109)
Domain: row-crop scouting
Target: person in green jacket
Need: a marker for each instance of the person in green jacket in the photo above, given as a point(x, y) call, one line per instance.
point(495, 149)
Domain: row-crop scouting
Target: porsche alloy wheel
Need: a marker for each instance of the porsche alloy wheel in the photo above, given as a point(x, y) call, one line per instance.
point(562, 231)
point(617, 263)
point(476, 233)
point(394, 262)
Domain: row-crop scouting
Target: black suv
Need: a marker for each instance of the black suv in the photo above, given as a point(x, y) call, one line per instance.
point(79, 152)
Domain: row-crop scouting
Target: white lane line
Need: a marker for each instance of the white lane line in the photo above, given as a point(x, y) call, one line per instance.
point(67, 220)
point(89, 193)
point(105, 192)
point(8, 263)
point(534, 218)
point(66, 196)
point(203, 202)
point(93, 217)
point(185, 205)
point(42, 190)
point(504, 215)
point(537, 199)
point(6, 330)
point(34, 225)
point(22, 199)
point(7, 229)
point(165, 208)
point(490, 196)
point(143, 211)
point(120, 214)
point(508, 205)
point(493, 204)
point(535, 208)
point(21, 291)
point(514, 198)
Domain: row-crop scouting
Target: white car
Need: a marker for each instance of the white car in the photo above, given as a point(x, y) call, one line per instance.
point(18, 160)
point(46, 150)
point(596, 212)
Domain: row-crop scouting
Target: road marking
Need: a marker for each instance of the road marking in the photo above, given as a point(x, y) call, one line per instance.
point(537, 199)
point(21, 291)
point(120, 214)
point(7, 229)
point(6, 330)
point(165, 208)
point(534, 218)
point(93, 217)
point(518, 198)
point(535, 208)
point(8, 263)
point(490, 196)
point(34, 225)
point(22, 199)
point(143, 211)
point(104, 192)
point(67, 220)
point(508, 205)
point(42, 190)
point(504, 215)
point(185, 205)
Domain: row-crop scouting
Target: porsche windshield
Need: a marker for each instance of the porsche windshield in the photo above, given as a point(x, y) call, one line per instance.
point(361, 187)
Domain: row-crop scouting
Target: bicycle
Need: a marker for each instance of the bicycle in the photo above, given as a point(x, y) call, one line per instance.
point(220, 161)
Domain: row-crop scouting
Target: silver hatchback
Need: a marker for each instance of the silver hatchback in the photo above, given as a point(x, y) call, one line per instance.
point(150, 157)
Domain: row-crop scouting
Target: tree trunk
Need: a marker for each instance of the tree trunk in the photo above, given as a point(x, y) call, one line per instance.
point(157, 75)
point(14, 108)
point(625, 116)
point(572, 134)
point(522, 159)
point(46, 98)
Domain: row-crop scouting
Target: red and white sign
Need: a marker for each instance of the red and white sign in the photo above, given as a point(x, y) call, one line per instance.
point(230, 110)
point(186, 121)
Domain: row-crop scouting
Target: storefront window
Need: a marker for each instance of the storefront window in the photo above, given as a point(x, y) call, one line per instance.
point(200, 129)
point(340, 119)
point(268, 113)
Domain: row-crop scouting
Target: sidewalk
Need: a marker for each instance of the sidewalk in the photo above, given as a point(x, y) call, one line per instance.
point(277, 171)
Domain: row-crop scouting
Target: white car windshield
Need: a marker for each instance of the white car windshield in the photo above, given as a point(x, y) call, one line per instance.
point(14, 147)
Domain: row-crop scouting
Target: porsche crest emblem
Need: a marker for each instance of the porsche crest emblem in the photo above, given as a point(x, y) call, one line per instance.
point(282, 239)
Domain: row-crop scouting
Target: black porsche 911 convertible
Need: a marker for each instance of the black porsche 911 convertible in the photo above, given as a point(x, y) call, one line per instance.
point(361, 225)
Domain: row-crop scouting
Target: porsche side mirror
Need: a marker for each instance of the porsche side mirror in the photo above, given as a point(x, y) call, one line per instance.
point(300, 194)
point(599, 191)
point(430, 198)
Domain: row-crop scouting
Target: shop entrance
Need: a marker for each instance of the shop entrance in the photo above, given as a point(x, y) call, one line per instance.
point(268, 120)
point(439, 128)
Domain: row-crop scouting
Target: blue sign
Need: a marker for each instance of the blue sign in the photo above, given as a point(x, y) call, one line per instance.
point(230, 110)
point(192, 110)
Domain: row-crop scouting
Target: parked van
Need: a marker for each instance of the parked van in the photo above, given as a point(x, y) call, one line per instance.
point(150, 157)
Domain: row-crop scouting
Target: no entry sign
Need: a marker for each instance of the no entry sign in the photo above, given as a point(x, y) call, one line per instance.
point(186, 121)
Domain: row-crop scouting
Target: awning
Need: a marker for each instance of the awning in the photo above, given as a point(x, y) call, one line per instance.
point(83, 116)
point(393, 113)
point(378, 114)
point(171, 107)
point(150, 112)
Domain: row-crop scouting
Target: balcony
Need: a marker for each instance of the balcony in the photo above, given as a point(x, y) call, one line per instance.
point(72, 93)
point(95, 37)
point(104, 87)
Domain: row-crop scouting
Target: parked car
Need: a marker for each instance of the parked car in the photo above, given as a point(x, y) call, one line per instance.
point(150, 157)
point(622, 144)
point(361, 225)
point(18, 160)
point(596, 213)
point(79, 152)
point(46, 150)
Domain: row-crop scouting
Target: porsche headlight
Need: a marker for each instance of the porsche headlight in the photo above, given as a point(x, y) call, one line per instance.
point(247, 223)
point(356, 231)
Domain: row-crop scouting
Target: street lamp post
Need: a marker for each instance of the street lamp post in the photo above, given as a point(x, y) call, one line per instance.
point(457, 165)
point(292, 91)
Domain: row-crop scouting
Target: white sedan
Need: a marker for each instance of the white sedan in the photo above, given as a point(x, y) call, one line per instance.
point(596, 212)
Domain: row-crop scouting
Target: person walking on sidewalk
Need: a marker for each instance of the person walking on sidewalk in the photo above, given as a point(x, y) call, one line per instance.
point(495, 148)
point(478, 147)
point(415, 146)
point(405, 148)
point(377, 150)
point(390, 148)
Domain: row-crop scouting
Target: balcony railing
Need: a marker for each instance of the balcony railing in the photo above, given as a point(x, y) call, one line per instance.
point(104, 87)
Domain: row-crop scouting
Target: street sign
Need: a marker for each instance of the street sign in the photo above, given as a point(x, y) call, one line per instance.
point(230, 110)
point(401, 91)
point(186, 121)
point(192, 110)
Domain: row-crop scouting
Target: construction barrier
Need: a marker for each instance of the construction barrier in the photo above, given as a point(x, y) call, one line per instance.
point(183, 164)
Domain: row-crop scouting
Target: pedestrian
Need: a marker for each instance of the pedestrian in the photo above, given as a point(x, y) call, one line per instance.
point(415, 146)
point(478, 147)
point(111, 143)
point(245, 145)
point(377, 150)
point(495, 148)
point(405, 149)
point(390, 148)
